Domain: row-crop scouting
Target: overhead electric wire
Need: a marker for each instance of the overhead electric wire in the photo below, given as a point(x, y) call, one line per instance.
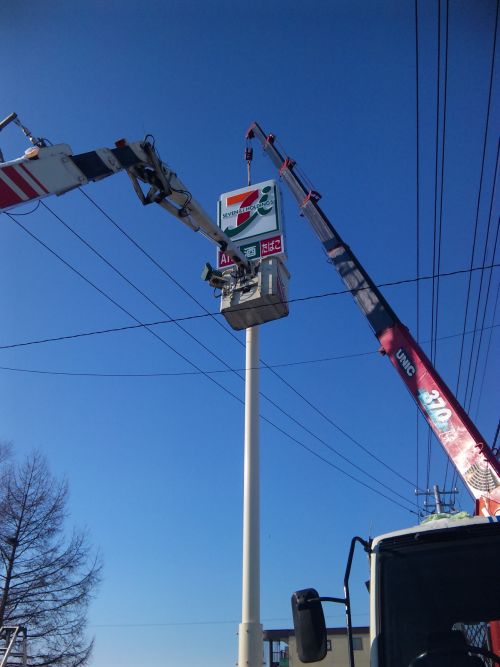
point(115, 303)
point(487, 355)
point(221, 386)
point(478, 203)
point(183, 373)
point(476, 224)
point(313, 406)
point(417, 221)
point(287, 364)
point(478, 403)
point(333, 465)
point(131, 327)
point(330, 421)
point(435, 229)
point(467, 404)
point(237, 373)
point(439, 230)
point(344, 291)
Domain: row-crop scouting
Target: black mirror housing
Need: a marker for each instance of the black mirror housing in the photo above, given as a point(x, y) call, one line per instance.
point(309, 624)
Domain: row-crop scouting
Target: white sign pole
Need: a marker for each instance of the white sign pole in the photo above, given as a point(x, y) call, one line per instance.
point(250, 637)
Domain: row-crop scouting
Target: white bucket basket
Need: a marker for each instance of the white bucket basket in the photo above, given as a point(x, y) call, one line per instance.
point(260, 299)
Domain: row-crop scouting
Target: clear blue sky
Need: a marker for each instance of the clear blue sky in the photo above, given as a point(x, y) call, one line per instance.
point(155, 463)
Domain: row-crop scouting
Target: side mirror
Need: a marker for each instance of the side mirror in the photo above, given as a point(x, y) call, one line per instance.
point(309, 624)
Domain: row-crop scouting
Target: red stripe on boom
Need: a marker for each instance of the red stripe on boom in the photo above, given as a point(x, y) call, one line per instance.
point(34, 178)
point(7, 196)
point(16, 178)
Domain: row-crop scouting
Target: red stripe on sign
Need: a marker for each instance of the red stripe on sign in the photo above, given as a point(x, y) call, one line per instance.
point(243, 217)
point(34, 178)
point(7, 196)
point(16, 178)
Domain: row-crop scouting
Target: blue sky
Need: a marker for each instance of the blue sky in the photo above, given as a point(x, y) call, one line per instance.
point(155, 463)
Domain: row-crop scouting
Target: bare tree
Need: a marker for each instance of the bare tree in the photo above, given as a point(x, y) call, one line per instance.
point(46, 578)
point(5, 450)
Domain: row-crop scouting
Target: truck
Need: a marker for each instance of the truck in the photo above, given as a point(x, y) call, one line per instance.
point(434, 588)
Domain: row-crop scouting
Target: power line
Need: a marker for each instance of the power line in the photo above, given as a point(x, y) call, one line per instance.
point(486, 359)
point(272, 402)
point(237, 373)
point(478, 201)
point(417, 221)
point(221, 386)
point(154, 323)
point(333, 465)
point(288, 415)
point(434, 270)
point(154, 374)
point(441, 200)
point(289, 385)
point(480, 290)
point(167, 624)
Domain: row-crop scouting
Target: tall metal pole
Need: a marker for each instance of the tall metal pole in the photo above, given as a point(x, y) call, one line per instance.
point(250, 638)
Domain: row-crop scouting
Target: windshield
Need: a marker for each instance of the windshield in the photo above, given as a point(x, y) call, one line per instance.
point(434, 585)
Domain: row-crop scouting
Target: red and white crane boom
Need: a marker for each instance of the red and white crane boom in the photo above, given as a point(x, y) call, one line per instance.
point(53, 170)
point(466, 447)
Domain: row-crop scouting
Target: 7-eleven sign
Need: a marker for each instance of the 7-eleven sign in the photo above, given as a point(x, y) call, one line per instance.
point(250, 216)
point(250, 213)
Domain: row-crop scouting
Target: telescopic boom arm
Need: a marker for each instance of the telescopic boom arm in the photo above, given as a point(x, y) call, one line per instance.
point(474, 460)
point(47, 170)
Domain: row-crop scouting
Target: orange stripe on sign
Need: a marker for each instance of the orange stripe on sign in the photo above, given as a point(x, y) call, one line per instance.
point(235, 199)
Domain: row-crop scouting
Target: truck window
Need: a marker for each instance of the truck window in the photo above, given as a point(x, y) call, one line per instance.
point(434, 586)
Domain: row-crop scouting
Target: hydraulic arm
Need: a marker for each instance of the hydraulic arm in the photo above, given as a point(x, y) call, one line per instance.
point(46, 170)
point(465, 446)
point(253, 291)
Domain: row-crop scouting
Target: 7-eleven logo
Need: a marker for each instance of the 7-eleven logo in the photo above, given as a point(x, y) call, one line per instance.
point(246, 207)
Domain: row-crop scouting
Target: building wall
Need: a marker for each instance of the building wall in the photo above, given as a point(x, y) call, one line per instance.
point(339, 655)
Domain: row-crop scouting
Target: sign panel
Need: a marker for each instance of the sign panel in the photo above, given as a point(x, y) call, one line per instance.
point(252, 219)
point(255, 250)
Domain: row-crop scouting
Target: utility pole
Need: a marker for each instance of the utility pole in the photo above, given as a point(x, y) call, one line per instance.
point(250, 638)
point(437, 499)
point(440, 506)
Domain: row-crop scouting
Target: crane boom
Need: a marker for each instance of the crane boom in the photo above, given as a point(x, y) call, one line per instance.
point(253, 290)
point(48, 170)
point(467, 449)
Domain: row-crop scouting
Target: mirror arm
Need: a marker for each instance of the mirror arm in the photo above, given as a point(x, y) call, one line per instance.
point(367, 547)
point(320, 599)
